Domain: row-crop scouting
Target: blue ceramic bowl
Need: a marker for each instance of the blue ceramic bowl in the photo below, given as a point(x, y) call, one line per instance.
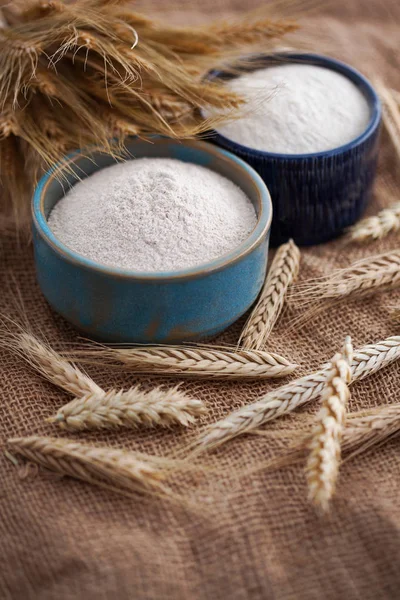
point(315, 196)
point(115, 305)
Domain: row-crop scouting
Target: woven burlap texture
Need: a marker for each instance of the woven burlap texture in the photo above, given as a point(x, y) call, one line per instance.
point(254, 537)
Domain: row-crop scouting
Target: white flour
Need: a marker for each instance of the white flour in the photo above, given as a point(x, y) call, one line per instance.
point(297, 108)
point(153, 215)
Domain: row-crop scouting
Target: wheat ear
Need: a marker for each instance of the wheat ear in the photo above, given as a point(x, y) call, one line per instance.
point(129, 408)
point(324, 459)
point(50, 364)
point(362, 278)
point(390, 115)
point(378, 226)
point(370, 428)
point(395, 314)
point(96, 465)
point(193, 361)
point(366, 361)
point(283, 271)
point(396, 96)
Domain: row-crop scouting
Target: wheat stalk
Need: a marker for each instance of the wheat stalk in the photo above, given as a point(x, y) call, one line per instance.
point(362, 278)
point(96, 465)
point(325, 443)
point(366, 361)
point(378, 226)
point(283, 271)
point(193, 361)
point(129, 408)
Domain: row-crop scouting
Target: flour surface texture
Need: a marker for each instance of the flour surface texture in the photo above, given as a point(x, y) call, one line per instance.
point(297, 109)
point(153, 214)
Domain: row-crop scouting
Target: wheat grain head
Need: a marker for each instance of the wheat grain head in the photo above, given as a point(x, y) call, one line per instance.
point(49, 363)
point(282, 273)
point(94, 464)
point(129, 408)
point(325, 441)
point(363, 278)
point(192, 361)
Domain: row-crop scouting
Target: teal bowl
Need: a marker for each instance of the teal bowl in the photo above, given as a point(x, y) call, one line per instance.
point(115, 305)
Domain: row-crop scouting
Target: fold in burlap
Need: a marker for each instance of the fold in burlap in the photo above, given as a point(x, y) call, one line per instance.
point(253, 537)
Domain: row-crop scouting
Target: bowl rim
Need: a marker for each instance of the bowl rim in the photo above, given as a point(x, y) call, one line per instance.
point(262, 227)
point(321, 60)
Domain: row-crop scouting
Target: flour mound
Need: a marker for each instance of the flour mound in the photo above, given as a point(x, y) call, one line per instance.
point(296, 109)
point(153, 214)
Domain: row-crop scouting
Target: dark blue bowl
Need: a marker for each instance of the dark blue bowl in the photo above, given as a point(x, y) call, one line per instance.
point(315, 196)
point(115, 305)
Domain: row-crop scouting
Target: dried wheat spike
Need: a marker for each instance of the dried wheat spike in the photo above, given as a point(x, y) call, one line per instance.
point(129, 408)
point(117, 124)
point(391, 115)
point(378, 226)
point(283, 271)
point(8, 124)
point(395, 315)
point(370, 428)
point(359, 279)
point(51, 365)
point(168, 106)
point(396, 96)
point(194, 361)
point(325, 444)
point(96, 465)
point(366, 361)
point(38, 10)
point(362, 278)
point(46, 82)
point(249, 32)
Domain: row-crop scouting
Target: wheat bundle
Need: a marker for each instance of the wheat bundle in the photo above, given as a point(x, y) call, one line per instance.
point(86, 72)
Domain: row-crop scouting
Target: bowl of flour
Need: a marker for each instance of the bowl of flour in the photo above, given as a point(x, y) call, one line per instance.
point(310, 127)
point(166, 246)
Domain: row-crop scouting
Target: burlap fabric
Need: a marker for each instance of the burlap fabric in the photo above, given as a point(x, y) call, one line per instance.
point(254, 537)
